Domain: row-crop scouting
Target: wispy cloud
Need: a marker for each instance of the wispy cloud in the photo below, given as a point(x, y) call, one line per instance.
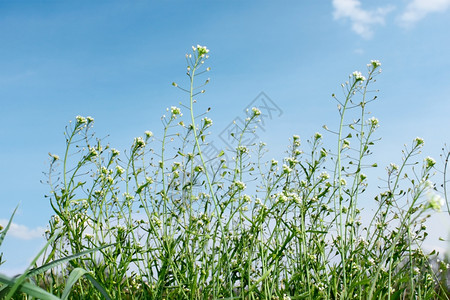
point(418, 9)
point(362, 20)
point(23, 232)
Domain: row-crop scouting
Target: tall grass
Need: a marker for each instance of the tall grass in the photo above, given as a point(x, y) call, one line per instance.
point(184, 227)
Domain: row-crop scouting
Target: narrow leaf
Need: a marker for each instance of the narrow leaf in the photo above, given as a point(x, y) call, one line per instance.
point(28, 288)
point(98, 286)
point(53, 264)
point(4, 231)
point(73, 278)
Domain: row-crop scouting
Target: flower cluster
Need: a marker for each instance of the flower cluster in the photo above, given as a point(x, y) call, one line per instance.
point(239, 184)
point(374, 63)
point(207, 121)
point(373, 122)
point(429, 162)
point(201, 50)
point(175, 111)
point(358, 76)
point(324, 176)
point(242, 149)
point(256, 111)
point(139, 142)
point(435, 201)
point(286, 169)
point(418, 141)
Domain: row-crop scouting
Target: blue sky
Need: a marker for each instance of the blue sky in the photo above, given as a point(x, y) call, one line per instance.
point(116, 60)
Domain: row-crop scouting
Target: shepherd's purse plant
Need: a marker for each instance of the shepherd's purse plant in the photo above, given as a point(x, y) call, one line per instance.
point(168, 223)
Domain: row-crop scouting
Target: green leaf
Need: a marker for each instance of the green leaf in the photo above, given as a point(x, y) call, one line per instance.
point(98, 286)
point(73, 278)
point(4, 231)
point(27, 288)
point(22, 277)
point(53, 264)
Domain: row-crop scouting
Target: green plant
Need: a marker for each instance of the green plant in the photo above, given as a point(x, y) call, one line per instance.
point(187, 227)
point(9, 286)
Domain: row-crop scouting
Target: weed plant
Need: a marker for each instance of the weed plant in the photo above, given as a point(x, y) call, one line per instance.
point(184, 227)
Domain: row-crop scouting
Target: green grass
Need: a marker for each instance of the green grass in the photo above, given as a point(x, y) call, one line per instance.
point(161, 222)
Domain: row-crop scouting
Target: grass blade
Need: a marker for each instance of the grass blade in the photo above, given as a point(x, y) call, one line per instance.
point(52, 264)
point(73, 278)
point(98, 286)
point(4, 231)
point(22, 277)
point(27, 288)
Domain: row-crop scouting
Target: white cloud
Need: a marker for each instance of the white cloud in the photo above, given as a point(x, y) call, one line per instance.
point(418, 9)
point(22, 232)
point(362, 20)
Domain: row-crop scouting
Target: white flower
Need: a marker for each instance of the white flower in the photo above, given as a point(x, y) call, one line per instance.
point(430, 162)
point(240, 185)
point(202, 50)
point(139, 142)
point(419, 141)
point(120, 170)
point(256, 111)
point(81, 120)
point(242, 149)
point(109, 179)
point(175, 111)
point(247, 199)
point(286, 169)
point(324, 176)
point(317, 136)
point(292, 161)
point(394, 166)
point(274, 162)
point(373, 121)
point(281, 198)
point(115, 152)
point(92, 151)
point(295, 197)
point(358, 76)
point(127, 196)
point(286, 297)
point(148, 134)
point(156, 221)
point(435, 201)
point(207, 121)
point(375, 63)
